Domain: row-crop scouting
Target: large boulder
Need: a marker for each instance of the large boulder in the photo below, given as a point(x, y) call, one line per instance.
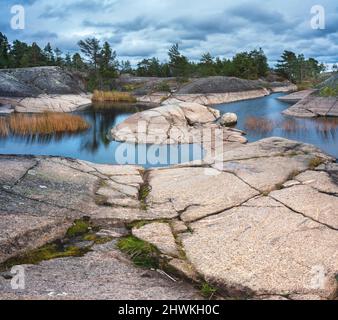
point(173, 124)
point(41, 89)
point(228, 119)
point(31, 82)
point(219, 85)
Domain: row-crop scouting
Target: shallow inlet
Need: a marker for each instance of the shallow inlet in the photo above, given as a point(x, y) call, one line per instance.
point(260, 118)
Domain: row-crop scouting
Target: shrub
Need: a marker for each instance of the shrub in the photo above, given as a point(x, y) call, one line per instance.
point(163, 87)
point(113, 96)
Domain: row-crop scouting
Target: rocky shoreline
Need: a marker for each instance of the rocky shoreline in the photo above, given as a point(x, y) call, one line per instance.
point(41, 89)
point(259, 222)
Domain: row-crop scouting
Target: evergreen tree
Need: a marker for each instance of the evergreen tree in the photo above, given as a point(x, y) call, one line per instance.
point(91, 49)
point(18, 51)
point(4, 51)
point(207, 66)
point(260, 61)
point(125, 67)
point(49, 54)
point(77, 62)
point(179, 64)
point(59, 60)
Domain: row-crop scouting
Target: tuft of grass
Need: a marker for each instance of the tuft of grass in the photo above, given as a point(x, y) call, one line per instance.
point(79, 227)
point(208, 291)
point(143, 254)
point(4, 130)
point(143, 194)
point(113, 96)
point(315, 162)
point(45, 123)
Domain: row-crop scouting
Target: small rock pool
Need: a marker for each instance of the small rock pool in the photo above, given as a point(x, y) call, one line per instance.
point(259, 118)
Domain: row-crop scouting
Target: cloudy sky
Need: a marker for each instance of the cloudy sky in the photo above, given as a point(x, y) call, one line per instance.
point(146, 28)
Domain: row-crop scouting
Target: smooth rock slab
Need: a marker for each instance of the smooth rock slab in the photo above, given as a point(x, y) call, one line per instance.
point(159, 235)
point(265, 174)
point(264, 249)
point(269, 147)
point(197, 192)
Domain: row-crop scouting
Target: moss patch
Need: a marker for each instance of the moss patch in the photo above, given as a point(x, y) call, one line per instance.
point(78, 228)
point(81, 230)
point(142, 254)
point(47, 252)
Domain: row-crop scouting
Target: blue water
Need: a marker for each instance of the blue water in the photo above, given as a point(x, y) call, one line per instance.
point(322, 132)
point(94, 145)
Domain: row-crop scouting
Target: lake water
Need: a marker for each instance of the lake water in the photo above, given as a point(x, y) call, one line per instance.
point(260, 118)
point(94, 145)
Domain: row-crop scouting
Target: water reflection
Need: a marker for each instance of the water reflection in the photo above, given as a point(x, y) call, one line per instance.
point(95, 145)
point(262, 118)
point(327, 128)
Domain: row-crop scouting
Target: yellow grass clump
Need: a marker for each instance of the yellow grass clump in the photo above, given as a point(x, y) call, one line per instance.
point(45, 123)
point(3, 127)
point(113, 96)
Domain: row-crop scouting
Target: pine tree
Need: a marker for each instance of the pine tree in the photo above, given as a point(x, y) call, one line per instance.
point(4, 52)
point(49, 54)
point(91, 49)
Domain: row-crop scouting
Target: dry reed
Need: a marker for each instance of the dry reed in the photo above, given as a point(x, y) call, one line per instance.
point(259, 124)
point(4, 131)
point(113, 96)
point(45, 123)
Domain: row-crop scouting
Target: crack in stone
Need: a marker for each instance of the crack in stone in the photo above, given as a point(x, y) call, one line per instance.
point(304, 215)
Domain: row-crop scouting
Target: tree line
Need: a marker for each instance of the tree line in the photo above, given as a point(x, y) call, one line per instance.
point(100, 61)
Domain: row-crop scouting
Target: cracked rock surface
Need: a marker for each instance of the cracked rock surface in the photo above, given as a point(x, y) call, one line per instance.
point(258, 221)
